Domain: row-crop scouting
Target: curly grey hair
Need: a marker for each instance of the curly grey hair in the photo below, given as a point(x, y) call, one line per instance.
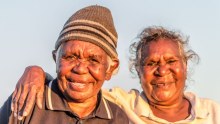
point(154, 33)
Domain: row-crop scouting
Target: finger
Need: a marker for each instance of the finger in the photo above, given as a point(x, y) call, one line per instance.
point(13, 96)
point(29, 103)
point(15, 101)
point(16, 95)
point(22, 98)
point(40, 98)
point(20, 117)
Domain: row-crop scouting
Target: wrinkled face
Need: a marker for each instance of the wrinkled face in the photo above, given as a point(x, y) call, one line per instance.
point(162, 72)
point(81, 70)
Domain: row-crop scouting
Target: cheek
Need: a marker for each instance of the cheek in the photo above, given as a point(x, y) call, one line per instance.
point(147, 88)
point(180, 76)
point(63, 68)
point(146, 77)
point(98, 73)
point(180, 71)
point(146, 74)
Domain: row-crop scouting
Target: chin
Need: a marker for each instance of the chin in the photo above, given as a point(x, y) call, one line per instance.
point(165, 96)
point(74, 95)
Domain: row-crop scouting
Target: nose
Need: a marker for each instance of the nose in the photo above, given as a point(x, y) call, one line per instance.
point(81, 67)
point(162, 70)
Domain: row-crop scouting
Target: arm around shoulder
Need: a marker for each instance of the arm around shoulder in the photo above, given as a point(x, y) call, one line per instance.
point(120, 97)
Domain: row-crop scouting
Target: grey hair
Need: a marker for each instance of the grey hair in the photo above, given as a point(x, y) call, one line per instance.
point(154, 33)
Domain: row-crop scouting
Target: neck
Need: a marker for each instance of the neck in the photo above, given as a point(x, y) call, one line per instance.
point(173, 112)
point(83, 109)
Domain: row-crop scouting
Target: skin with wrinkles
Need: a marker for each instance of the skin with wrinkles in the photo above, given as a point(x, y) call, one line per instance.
point(163, 75)
point(82, 68)
point(29, 87)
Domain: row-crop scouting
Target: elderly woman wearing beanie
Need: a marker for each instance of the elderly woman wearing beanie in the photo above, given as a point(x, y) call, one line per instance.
point(85, 56)
point(160, 58)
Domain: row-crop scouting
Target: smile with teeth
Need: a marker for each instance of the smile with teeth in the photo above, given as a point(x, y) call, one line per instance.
point(160, 85)
point(76, 85)
point(80, 85)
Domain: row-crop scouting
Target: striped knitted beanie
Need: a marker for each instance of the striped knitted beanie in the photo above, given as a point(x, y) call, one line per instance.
point(92, 24)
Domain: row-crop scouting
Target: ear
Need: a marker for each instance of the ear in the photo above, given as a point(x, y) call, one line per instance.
point(114, 65)
point(54, 55)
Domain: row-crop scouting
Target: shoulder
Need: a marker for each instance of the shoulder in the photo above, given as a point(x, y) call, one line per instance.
point(118, 115)
point(208, 102)
point(121, 97)
point(201, 102)
point(204, 107)
point(211, 105)
point(208, 109)
point(117, 92)
point(5, 111)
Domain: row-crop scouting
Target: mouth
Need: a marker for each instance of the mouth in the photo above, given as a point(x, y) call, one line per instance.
point(162, 85)
point(159, 84)
point(76, 85)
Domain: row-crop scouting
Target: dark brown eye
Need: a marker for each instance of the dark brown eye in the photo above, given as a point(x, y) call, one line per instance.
point(171, 61)
point(93, 60)
point(151, 63)
point(70, 57)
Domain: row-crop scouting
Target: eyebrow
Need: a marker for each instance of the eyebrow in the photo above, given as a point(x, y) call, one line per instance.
point(96, 56)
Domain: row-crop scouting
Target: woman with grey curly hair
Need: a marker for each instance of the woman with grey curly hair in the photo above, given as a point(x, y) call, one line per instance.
point(155, 33)
point(160, 57)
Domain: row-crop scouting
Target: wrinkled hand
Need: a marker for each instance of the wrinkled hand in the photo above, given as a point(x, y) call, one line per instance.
point(29, 87)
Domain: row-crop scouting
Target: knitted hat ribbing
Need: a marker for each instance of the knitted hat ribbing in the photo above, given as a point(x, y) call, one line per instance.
point(92, 24)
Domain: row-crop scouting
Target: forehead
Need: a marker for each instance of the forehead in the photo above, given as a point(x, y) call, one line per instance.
point(161, 47)
point(81, 46)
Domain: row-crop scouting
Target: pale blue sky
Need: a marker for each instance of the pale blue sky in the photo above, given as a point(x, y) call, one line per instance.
point(29, 29)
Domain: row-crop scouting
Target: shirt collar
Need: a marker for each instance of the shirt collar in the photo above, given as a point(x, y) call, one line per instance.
point(142, 107)
point(55, 101)
point(141, 103)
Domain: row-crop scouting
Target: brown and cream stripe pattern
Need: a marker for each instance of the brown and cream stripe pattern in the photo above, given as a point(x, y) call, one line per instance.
point(92, 24)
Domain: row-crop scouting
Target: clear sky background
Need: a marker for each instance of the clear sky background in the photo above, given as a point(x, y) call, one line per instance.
point(29, 29)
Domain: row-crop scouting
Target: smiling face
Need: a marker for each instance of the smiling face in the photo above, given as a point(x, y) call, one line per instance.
point(162, 72)
point(82, 68)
